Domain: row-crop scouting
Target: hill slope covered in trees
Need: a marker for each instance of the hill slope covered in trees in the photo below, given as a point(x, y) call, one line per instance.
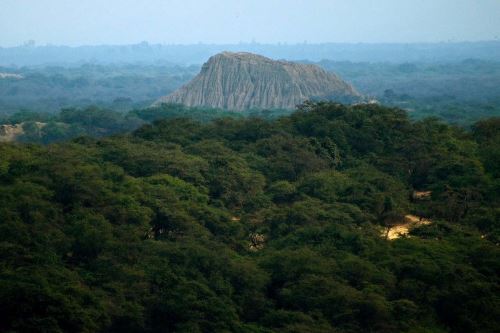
point(251, 225)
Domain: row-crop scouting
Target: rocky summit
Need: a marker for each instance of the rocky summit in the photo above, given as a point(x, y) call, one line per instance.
point(241, 81)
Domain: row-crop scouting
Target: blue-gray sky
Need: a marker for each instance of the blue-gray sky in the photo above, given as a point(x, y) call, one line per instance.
point(83, 22)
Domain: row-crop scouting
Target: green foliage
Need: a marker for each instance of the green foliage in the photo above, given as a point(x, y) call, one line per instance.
point(460, 92)
point(251, 225)
point(169, 111)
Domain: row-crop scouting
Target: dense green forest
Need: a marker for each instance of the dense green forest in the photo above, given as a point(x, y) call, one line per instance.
point(69, 123)
point(245, 224)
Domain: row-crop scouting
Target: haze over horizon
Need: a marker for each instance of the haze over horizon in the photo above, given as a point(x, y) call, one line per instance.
point(75, 23)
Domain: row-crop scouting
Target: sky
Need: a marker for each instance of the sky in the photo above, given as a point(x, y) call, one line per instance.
point(95, 22)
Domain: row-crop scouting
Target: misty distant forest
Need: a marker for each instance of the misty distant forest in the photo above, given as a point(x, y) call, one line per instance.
point(459, 90)
point(377, 216)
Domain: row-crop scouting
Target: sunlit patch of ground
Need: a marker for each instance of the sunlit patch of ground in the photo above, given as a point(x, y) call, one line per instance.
point(9, 133)
point(403, 229)
point(421, 195)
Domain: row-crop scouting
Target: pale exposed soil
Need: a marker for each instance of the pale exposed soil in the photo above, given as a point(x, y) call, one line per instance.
point(9, 133)
point(403, 229)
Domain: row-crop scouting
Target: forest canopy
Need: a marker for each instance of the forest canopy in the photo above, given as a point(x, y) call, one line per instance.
point(245, 224)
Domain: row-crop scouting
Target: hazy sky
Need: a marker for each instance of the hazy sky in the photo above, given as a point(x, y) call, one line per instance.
point(77, 22)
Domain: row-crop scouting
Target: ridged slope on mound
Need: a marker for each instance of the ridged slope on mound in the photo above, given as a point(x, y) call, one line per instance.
point(240, 81)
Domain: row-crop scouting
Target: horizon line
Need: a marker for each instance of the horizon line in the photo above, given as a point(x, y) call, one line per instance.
point(33, 44)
